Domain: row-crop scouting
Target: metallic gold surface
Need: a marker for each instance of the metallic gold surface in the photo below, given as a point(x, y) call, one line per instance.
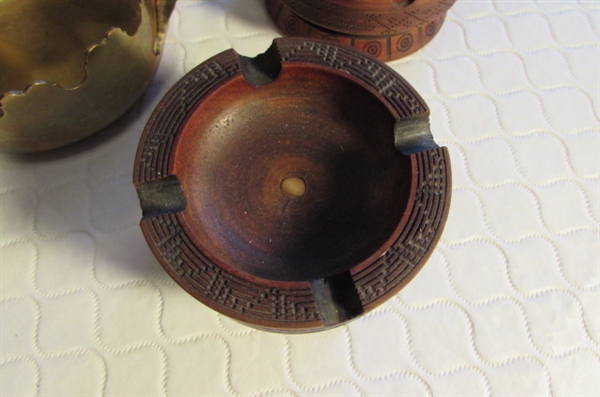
point(68, 68)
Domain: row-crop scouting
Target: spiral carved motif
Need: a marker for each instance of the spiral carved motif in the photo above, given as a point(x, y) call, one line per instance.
point(431, 29)
point(405, 42)
point(292, 25)
point(373, 48)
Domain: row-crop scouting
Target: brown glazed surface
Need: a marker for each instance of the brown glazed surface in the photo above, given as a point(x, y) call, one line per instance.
point(386, 30)
point(275, 189)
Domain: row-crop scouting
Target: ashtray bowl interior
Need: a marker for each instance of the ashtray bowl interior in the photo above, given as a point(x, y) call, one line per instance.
point(293, 181)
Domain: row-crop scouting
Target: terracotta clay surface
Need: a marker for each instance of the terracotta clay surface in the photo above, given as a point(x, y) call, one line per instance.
point(293, 191)
point(387, 30)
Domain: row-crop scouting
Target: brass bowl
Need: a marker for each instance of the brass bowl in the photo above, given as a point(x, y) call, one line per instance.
point(295, 190)
point(71, 67)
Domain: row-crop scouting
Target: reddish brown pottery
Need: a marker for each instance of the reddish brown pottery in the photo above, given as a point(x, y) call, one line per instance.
point(388, 30)
point(293, 191)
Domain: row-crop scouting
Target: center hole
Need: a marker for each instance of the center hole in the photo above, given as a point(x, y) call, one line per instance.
point(293, 187)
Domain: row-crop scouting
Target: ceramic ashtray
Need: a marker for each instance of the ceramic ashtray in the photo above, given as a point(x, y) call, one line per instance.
point(388, 30)
point(292, 191)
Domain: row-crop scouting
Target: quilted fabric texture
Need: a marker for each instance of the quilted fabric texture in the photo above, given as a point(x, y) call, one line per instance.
point(508, 304)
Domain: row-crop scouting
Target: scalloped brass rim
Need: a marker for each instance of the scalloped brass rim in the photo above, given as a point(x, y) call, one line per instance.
point(113, 73)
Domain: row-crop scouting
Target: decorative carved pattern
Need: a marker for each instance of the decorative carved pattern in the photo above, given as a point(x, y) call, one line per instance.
point(410, 251)
point(388, 83)
point(218, 288)
point(405, 42)
point(387, 35)
point(153, 156)
point(365, 19)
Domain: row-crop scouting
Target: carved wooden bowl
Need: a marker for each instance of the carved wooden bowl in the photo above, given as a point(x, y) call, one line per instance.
point(388, 30)
point(292, 191)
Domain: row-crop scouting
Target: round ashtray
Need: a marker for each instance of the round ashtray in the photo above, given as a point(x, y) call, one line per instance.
point(295, 190)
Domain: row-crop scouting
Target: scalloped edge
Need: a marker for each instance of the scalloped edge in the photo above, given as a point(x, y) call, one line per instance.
point(109, 32)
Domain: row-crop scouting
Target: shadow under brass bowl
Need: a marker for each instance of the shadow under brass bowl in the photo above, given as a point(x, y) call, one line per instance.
point(71, 67)
point(295, 190)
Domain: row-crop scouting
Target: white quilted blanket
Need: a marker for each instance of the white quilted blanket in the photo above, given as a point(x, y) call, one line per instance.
point(509, 303)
